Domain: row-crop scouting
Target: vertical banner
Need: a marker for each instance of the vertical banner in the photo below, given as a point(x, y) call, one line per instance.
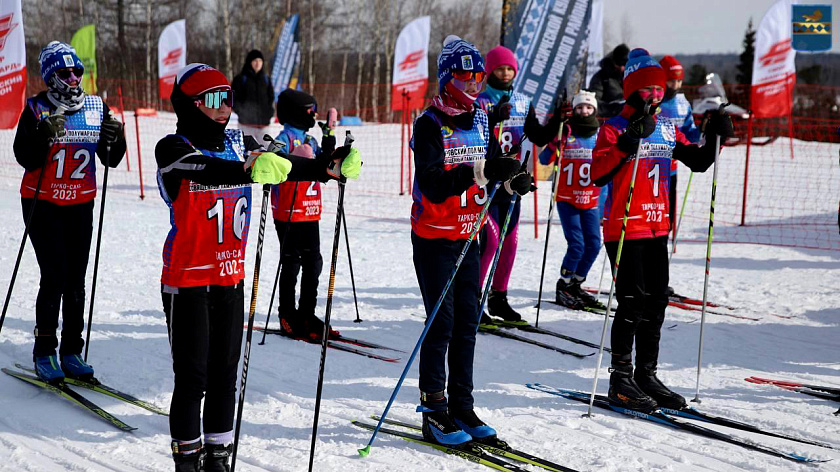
point(774, 71)
point(411, 64)
point(595, 50)
point(286, 56)
point(84, 42)
point(549, 38)
point(12, 63)
point(172, 55)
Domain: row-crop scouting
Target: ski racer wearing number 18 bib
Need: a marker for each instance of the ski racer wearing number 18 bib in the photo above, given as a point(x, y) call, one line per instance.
point(204, 178)
point(59, 135)
point(642, 280)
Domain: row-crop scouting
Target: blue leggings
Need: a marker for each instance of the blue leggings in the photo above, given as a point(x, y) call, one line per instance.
point(583, 237)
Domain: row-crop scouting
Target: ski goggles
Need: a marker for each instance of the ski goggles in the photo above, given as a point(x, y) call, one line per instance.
point(215, 98)
point(467, 75)
point(70, 73)
point(312, 109)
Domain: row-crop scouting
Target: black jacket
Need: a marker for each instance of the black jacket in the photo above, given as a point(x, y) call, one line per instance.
point(31, 150)
point(253, 98)
point(607, 84)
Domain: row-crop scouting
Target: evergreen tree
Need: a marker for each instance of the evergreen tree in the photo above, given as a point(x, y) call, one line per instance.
point(696, 75)
point(745, 66)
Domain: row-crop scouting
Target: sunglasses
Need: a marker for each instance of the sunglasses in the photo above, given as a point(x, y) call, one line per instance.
point(312, 110)
point(65, 74)
point(467, 75)
point(215, 98)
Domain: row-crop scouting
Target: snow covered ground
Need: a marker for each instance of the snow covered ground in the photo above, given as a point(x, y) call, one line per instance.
point(129, 349)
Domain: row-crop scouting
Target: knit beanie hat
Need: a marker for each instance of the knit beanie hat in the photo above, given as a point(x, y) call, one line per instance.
point(673, 68)
point(641, 71)
point(585, 96)
point(457, 54)
point(57, 55)
point(500, 56)
point(296, 108)
point(619, 54)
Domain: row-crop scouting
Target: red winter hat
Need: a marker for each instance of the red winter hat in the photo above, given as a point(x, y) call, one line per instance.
point(673, 68)
point(196, 78)
point(641, 71)
point(500, 56)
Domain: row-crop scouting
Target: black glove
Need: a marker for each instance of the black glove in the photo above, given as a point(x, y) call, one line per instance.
point(52, 127)
point(564, 110)
point(513, 151)
point(501, 111)
point(327, 139)
point(521, 183)
point(640, 125)
point(717, 122)
point(111, 130)
point(499, 169)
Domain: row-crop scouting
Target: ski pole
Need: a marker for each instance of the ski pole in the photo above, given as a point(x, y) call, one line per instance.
point(98, 246)
point(603, 268)
point(679, 221)
point(615, 268)
point(552, 203)
point(339, 216)
point(431, 318)
point(277, 146)
point(350, 262)
point(58, 111)
point(502, 235)
point(708, 261)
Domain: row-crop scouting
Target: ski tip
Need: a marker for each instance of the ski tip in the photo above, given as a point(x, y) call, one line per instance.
point(365, 451)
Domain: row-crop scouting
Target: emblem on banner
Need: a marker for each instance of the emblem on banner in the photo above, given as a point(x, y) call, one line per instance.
point(6, 27)
point(811, 27)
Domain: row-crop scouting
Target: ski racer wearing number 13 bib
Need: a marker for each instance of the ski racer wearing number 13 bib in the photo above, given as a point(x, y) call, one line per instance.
point(204, 178)
point(59, 135)
point(457, 160)
point(642, 281)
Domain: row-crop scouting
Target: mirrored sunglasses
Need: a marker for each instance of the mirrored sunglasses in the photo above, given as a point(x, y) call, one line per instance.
point(65, 74)
point(467, 75)
point(215, 98)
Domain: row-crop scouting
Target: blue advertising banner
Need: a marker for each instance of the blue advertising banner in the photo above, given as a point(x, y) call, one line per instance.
point(549, 38)
point(286, 55)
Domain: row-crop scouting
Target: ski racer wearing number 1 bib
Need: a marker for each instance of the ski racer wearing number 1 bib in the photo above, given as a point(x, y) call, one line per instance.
point(205, 179)
point(513, 114)
point(642, 280)
point(59, 135)
point(457, 160)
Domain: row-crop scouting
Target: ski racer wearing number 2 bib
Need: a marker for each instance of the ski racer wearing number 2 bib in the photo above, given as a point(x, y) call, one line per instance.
point(457, 159)
point(59, 135)
point(513, 115)
point(642, 280)
point(205, 179)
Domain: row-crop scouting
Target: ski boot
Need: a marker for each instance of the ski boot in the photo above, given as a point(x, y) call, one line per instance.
point(486, 320)
point(498, 306)
point(217, 458)
point(290, 323)
point(47, 369)
point(472, 425)
point(589, 301)
point(187, 456)
point(564, 296)
point(314, 327)
point(625, 393)
point(645, 377)
point(438, 426)
point(76, 368)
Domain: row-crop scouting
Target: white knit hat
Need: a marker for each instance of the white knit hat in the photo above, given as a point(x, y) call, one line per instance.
point(585, 96)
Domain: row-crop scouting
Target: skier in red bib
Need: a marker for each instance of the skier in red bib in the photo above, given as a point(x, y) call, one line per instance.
point(60, 132)
point(205, 179)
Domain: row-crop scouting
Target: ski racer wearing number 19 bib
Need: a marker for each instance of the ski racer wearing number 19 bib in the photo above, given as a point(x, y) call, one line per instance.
point(59, 135)
point(642, 281)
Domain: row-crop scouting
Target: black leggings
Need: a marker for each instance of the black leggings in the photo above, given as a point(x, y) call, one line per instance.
point(205, 334)
point(61, 237)
point(301, 255)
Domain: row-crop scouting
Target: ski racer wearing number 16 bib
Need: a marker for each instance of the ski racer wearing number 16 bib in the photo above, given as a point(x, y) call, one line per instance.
point(642, 280)
point(204, 178)
point(59, 135)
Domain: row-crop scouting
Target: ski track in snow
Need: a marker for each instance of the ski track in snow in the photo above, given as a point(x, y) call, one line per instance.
point(129, 349)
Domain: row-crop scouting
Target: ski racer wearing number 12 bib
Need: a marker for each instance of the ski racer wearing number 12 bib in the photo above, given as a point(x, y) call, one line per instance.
point(205, 179)
point(642, 280)
point(457, 160)
point(59, 135)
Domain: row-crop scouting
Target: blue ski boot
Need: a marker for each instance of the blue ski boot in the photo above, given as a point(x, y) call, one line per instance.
point(472, 425)
point(438, 427)
point(46, 368)
point(75, 367)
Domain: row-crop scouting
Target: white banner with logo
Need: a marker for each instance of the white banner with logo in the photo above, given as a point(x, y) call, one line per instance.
point(595, 41)
point(411, 65)
point(774, 70)
point(172, 55)
point(12, 63)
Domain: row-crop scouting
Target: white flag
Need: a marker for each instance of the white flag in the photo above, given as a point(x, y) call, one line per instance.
point(172, 55)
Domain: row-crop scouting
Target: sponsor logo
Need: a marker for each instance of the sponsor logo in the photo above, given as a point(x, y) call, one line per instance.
point(6, 27)
point(172, 57)
point(778, 53)
point(68, 60)
point(92, 118)
point(466, 62)
point(411, 61)
point(811, 27)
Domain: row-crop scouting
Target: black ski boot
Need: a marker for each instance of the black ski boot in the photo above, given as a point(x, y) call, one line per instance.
point(589, 301)
point(438, 426)
point(564, 296)
point(486, 320)
point(497, 306)
point(313, 327)
point(624, 391)
point(187, 457)
point(217, 458)
point(291, 324)
point(468, 421)
point(647, 381)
